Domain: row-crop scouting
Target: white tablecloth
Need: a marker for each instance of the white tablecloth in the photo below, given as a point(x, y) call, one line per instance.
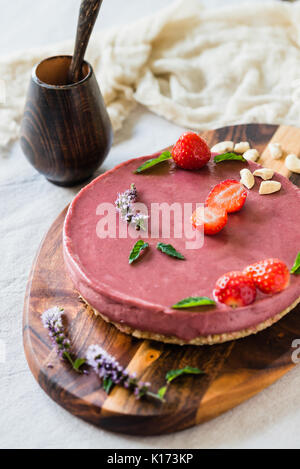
point(29, 204)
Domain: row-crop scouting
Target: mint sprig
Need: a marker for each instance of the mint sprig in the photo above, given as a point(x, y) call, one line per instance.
point(194, 301)
point(162, 391)
point(77, 364)
point(52, 320)
point(170, 251)
point(107, 385)
point(166, 155)
point(188, 370)
point(229, 156)
point(296, 267)
point(136, 250)
point(174, 374)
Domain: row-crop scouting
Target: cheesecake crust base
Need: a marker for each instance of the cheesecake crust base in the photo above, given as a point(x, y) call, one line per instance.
point(200, 340)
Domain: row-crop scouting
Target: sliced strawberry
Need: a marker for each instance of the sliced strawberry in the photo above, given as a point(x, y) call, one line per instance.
point(235, 289)
point(210, 219)
point(191, 151)
point(269, 276)
point(229, 195)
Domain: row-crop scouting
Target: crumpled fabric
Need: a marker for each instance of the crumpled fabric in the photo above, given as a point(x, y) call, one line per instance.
point(198, 67)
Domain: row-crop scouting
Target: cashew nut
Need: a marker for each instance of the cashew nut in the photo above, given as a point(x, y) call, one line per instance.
point(264, 173)
point(247, 178)
point(251, 155)
point(222, 147)
point(241, 147)
point(269, 187)
point(292, 162)
point(275, 150)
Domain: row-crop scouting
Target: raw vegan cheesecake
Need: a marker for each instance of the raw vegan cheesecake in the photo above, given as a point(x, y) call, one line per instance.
point(236, 284)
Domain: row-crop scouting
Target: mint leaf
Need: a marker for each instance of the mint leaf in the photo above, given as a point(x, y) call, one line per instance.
point(166, 155)
point(193, 301)
point(169, 250)
point(296, 267)
point(107, 385)
point(68, 357)
point(75, 364)
point(188, 370)
point(78, 363)
point(137, 249)
point(229, 156)
point(162, 391)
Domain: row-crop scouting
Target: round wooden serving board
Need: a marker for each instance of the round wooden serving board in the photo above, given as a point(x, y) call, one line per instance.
point(234, 371)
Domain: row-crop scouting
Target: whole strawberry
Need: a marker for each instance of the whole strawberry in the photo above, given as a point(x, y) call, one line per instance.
point(269, 276)
point(235, 289)
point(191, 151)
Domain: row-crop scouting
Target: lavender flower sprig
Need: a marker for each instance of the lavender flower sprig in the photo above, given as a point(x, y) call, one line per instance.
point(111, 372)
point(52, 321)
point(125, 206)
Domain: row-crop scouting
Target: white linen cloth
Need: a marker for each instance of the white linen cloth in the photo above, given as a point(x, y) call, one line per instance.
point(196, 67)
point(224, 90)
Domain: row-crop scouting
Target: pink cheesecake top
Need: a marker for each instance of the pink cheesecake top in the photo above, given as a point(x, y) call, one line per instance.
point(141, 295)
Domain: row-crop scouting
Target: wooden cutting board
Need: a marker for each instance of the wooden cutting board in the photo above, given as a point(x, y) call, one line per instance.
point(235, 371)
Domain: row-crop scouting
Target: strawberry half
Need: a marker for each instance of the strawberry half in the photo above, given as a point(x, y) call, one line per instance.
point(235, 289)
point(210, 219)
point(191, 151)
point(229, 195)
point(269, 276)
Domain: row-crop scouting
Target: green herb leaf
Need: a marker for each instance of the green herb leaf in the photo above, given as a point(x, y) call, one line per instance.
point(75, 365)
point(78, 363)
point(137, 249)
point(68, 357)
point(193, 301)
point(162, 391)
point(229, 156)
point(155, 396)
point(296, 267)
point(166, 155)
point(188, 370)
point(107, 385)
point(169, 250)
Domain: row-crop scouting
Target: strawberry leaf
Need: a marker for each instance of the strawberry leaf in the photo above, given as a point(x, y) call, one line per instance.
point(230, 156)
point(137, 249)
point(296, 267)
point(169, 250)
point(166, 155)
point(194, 301)
point(188, 370)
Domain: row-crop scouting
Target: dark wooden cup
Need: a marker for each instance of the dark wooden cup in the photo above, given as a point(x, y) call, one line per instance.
point(66, 133)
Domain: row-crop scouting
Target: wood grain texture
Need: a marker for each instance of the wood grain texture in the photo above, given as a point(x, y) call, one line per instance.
point(235, 371)
point(89, 10)
point(66, 133)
